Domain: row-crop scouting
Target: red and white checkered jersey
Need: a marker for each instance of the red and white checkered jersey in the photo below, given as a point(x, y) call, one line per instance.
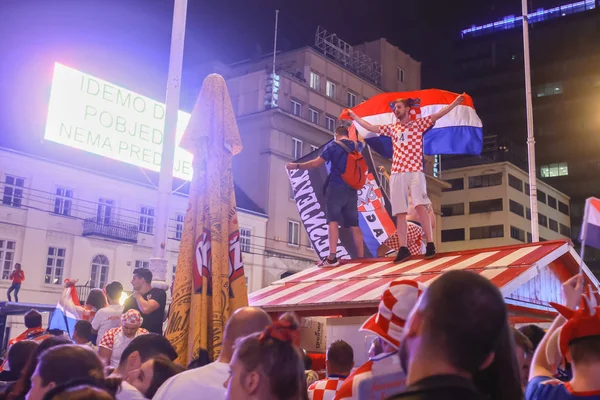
point(407, 140)
point(385, 364)
point(415, 239)
point(115, 340)
point(324, 389)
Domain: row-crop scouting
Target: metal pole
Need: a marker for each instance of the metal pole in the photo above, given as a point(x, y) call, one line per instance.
point(275, 41)
point(535, 232)
point(158, 262)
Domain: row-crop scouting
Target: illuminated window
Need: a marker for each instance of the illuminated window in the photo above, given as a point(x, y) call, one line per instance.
point(315, 81)
point(7, 257)
point(330, 89)
point(553, 170)
point(314, 116)
point(13, 191)
point(550, 89)
point(296, 148)
point(63, 200)
point(55, 264)
point(146, 220)
point(99, 275)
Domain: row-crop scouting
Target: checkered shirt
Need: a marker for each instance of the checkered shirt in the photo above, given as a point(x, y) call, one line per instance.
point(407, 140)
point(415, 239)
point(324, 389)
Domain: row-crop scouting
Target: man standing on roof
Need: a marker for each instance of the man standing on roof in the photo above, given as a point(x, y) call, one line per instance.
point(341, 198)
point(407, 167)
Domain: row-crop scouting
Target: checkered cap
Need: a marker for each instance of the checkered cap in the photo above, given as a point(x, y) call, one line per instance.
point(396, 304)
point(132, 317)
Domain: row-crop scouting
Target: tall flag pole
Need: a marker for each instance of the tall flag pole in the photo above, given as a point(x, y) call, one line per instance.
point(535, 232)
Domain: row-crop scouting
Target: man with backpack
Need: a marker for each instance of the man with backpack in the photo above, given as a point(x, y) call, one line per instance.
point(347, 174)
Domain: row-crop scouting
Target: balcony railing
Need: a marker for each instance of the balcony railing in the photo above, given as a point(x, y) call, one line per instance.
point(111, 230)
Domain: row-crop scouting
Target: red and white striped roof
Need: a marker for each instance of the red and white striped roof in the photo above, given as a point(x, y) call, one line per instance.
point(360, 283)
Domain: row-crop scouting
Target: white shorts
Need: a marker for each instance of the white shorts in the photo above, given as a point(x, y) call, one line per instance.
point(403, 183)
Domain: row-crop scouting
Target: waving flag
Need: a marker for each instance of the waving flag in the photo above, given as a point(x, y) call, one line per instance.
point(590, 231)
point(64, 318)
point(459, 132)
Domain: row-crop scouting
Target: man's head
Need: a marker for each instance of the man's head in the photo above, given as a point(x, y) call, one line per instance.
point(131, 322)
point(18, 266)
point(33, 319)
point(340, 358)
point(341, 132)
point(82, 332)
point(243, 322)
point(523, 352)
point(114, 290)
point(142, 277)
point(534, 333)
point(142, 349)
point(402, 109)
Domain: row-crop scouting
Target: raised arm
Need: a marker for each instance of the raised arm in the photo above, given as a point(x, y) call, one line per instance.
point(363, 123)
point(459, 100)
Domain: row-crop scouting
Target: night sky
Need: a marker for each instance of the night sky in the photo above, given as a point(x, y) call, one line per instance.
point(127, 41)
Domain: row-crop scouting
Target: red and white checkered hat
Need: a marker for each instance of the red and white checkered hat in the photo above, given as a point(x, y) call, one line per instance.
point(396, 304)
point(132, 317)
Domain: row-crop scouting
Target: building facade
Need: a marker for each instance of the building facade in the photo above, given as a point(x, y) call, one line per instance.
point(64, 221)
point(488, 205)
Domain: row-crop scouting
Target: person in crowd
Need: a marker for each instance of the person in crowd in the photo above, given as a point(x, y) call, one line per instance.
point(388, 324)
point(81, 392)
point(457, 343)
point(109, 317)
point(17, 277)
point(534, 333)
point(310, 375)
point(523, 353)
point(61, 367)
point(18, 355)
point(115, 340)
point(82, 334)
point(341, 198)
point(19, 389)
point(340, 361)
point(94, 302)
point(141, 349)
point(34, 330)
point(152, 374)
point(209, 379)
point(575, 336)
point(267, 366)
point(149, 301)
point(407, 167)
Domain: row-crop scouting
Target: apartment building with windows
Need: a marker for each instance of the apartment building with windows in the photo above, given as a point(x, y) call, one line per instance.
point(488, 205)
point(93, 221)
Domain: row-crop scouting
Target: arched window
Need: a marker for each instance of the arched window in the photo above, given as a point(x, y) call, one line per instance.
point(99, 274)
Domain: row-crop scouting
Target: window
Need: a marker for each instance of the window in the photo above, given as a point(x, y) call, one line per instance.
point(400, 74)
point(313, 148)
point(485, 180)
point(553, 170)
point(541, 196)
point(351, 99)
point(63, 201)
point(314, 116)
point(565, 230)
point(516, 208)
point(293, 233)
point(142, 264)
point(529, 237)
point(99, 275)
point(315, 81)
point(457, 184)
point(549, 89)
point(296, 108)
point(330, 123)
point(296, 148)
point(542, 220)
point(7, 257)
point(104, 212)
point(449, 210)
point(487, 232)
point(553, 225)
point(552, 202)
point(484, 206)
point(563, 208)
point(527, 189)
point(528, 213)
point(55, 264)
point(179, 220)
point(330, 89)
point(245, 239)
point(517, 233)
point(147, 220)
point(13, 191)
point(453, 235)
point(515, 183)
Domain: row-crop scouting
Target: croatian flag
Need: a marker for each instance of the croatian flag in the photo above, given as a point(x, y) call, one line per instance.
point(459, 132)
point(63, 318)
point(590, 232)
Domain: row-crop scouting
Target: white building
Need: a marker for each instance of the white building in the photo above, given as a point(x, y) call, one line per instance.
point(488, 205)
point(60, 220)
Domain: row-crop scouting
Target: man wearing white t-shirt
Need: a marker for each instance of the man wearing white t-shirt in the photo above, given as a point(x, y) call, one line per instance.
point(207, 382)
point(109, 317)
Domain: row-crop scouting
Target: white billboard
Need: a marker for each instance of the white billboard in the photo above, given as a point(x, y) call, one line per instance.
point(96, 116)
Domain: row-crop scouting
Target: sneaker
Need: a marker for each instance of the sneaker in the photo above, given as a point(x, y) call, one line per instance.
point(430, 251)
point(330, 262)
point(403, 255)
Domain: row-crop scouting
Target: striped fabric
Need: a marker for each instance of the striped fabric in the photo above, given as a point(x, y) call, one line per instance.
point(354, 283)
